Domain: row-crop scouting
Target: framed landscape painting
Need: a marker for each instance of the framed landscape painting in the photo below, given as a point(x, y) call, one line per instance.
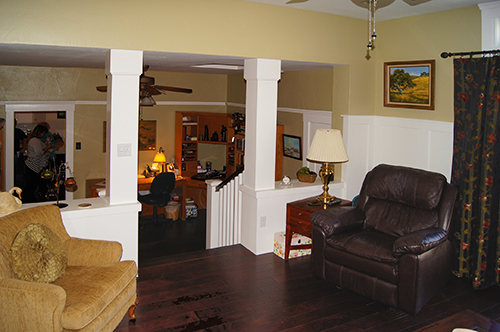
point(292, 146)
point(409, 84)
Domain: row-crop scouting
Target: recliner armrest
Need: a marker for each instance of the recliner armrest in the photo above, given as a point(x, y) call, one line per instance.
point(419, 242)
point(338, 220)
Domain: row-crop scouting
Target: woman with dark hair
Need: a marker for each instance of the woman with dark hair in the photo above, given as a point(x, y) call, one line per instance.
point(36, 161)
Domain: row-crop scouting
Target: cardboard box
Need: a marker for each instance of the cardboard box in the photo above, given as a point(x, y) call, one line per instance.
point(279, 245)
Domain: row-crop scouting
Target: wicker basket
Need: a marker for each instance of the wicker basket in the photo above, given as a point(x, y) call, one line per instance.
point(303, 177)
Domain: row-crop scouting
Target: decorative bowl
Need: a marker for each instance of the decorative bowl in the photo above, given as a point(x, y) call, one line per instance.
point(303, 177)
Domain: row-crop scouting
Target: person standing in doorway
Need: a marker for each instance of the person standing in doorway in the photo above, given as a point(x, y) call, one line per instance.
point(19, 149)
point(37, 159)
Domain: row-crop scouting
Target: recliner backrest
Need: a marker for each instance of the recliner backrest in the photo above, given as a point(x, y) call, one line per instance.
point(398, 200)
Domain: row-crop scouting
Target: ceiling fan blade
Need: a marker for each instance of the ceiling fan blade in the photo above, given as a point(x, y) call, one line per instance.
point(151, 90)
point(415, 2)
point(102, 88)
point(295, 1)
point(172, 89)
point(380, 3)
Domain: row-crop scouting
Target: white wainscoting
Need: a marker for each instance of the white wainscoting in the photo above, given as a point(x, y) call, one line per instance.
point(373, 140)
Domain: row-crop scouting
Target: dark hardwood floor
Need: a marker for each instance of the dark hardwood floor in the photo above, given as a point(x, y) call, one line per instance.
point(182, 287)
point(167, 237)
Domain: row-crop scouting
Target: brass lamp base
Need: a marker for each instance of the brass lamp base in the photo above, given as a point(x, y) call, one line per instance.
point(326, 173)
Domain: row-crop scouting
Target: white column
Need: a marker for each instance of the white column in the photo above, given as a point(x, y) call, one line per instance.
point(260, 149)
point(262, 77)
point(123, 68)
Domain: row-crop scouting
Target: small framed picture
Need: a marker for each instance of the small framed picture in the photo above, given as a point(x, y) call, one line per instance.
point(292, 146)
point(409, 84)
point(147, 135)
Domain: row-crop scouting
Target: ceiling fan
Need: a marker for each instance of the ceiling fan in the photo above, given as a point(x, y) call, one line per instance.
point(372, 6)
point(148, 88)
point(364, 3)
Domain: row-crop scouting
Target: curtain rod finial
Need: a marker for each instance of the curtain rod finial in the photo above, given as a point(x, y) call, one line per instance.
point(444, 55)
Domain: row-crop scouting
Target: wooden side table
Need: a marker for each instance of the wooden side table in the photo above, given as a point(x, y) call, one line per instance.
point(298, 221)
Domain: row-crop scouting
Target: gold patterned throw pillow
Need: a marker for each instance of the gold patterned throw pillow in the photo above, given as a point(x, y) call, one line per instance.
point(37, 254)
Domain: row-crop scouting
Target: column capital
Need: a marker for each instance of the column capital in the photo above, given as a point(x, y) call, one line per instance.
point(262, 69)
point(124, 62)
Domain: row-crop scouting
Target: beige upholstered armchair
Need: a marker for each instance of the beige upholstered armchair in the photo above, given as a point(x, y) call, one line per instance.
point(50, 281)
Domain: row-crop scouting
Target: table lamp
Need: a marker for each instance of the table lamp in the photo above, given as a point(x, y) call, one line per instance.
point(160, 158)
point(327, 147)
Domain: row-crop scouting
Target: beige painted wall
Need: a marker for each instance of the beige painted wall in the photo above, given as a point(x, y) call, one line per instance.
point(241, 28)
point(90, 160)
point(50, 84)
point(425, 37)
point(311, 90)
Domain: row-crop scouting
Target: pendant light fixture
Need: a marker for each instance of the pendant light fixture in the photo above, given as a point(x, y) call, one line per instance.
point(372, 34)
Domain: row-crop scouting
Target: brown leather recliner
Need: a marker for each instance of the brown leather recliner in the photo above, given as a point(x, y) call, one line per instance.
point(393, 246)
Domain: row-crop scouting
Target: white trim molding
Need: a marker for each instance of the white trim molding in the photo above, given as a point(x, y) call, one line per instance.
point(490, 21)
point(373, 140)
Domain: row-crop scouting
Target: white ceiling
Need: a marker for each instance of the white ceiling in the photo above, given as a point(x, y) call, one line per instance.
point(397, 9)
point(53, 56)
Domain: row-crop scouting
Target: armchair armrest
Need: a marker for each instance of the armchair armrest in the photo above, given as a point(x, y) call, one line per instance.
point(338, 220)
point(84, 252)
point(419, 242)
point(18, 312)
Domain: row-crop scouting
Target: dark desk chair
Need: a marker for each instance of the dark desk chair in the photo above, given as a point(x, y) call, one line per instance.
point(161, 187)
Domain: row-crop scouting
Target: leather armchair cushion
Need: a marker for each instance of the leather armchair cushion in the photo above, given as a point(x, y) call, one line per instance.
point(419, 242)
point(414, 187)
point(397, 218)
point(377, 246)
point(387, 271)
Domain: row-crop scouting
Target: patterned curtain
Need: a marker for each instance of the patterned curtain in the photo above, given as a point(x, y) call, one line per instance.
point(476, 169)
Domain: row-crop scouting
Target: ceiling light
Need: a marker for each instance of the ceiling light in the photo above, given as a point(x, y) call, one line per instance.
point(219, 66)
point(147, 101)
point(372, 6)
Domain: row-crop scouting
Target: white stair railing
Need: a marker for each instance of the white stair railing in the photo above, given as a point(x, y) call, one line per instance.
point(224, 211)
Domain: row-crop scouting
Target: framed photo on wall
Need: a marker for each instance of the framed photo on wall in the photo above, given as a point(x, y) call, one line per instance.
point(147, 135)
point(292, 146)
point(409, 84)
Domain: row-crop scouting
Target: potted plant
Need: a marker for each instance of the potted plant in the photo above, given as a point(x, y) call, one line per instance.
point(306, 175)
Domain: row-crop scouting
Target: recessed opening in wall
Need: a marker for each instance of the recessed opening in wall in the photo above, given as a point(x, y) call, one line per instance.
point(54, 137)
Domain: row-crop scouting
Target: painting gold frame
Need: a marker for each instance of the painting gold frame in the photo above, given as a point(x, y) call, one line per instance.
point(409, 84)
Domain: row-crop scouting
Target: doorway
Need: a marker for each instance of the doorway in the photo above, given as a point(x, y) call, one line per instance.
point(55, 122)
point(60, 116)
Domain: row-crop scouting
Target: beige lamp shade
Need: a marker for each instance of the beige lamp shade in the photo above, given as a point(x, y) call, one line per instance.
point(327, 147)
point(160, 158)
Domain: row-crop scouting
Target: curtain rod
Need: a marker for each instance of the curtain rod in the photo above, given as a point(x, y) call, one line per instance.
point(444, 55)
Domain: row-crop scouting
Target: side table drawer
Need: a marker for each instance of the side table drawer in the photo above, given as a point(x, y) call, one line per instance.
point(299, 214)
point(299, 225)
